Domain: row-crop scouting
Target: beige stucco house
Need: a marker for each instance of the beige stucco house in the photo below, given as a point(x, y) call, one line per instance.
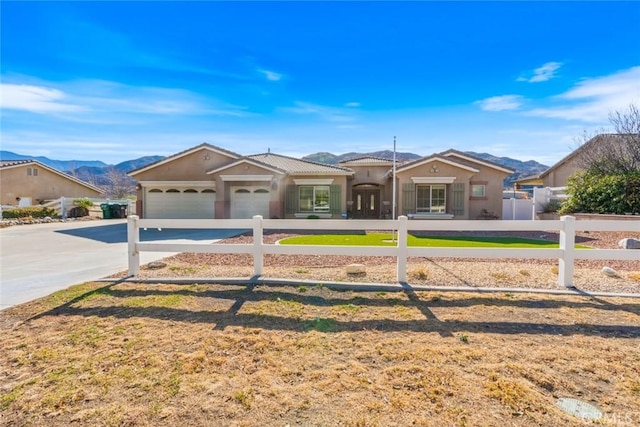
point(558, 174)
point(29, 182)
point(210, 182)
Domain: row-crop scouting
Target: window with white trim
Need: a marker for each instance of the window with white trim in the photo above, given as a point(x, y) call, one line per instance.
point(431, 198)
point(478, 190)
point(313, 198)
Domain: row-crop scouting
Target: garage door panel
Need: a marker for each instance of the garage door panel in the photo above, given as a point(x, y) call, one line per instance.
point(247, 202)
point(180, 205)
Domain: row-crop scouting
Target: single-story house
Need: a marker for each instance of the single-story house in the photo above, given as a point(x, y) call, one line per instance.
point(210, 182)
point(558, 174)
point(29, 182)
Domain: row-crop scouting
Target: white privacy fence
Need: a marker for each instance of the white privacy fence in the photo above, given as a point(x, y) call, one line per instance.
point(543, 196)
point(566, 253)
point(518, 209)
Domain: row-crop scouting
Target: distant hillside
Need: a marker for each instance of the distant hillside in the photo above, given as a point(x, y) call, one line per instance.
point(523, 169)
point(103, 176)
point(62, 165)
point(130, 165)
point(333, 159)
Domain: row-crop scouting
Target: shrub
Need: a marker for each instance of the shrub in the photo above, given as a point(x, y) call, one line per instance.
point(552, 206)
point(83, 203)
point(28, 212)
point(603, 194)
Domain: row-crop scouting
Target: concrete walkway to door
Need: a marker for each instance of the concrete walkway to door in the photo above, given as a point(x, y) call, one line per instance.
point(38, 259)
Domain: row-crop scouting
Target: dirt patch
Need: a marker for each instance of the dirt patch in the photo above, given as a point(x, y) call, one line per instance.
point(192, 355)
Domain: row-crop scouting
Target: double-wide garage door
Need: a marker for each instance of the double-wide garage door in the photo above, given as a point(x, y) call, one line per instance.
point(189, 203)
point(177, 203)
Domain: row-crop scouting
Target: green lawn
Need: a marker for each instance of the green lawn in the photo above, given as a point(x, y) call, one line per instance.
point(384, 239)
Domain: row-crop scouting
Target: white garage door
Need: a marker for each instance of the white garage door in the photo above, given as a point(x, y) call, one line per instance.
point(177, 203)
point(249, 201)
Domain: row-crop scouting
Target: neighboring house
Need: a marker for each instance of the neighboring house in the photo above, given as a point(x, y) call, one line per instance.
point(558, 174)
point(210, 182)
point(29, 182)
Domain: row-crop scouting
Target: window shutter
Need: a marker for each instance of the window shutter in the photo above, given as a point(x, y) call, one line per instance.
point(458, 198)
point(291, 199)
point(408, 198)
point(335, 199)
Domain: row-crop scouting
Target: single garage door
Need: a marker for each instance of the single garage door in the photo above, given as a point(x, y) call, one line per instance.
point(177, 203)
point(249, 201)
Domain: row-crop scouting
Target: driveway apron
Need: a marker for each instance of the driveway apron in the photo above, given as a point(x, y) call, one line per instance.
point(36, 260)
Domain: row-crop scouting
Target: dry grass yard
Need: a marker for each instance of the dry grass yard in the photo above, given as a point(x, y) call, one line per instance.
point(123, 354)
point(156, 354)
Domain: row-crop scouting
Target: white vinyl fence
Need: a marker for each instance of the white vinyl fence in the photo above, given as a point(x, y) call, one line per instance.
point(546, 195)
point(566, 253)
point(518, 209)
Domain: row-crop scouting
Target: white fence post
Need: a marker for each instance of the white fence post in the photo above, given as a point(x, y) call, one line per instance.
point(402, 249)
point(257, 245)
point(133, 238)
point(567, 245)
point(63, 208)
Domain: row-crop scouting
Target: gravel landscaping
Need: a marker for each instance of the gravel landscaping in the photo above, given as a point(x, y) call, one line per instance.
point(507, 273)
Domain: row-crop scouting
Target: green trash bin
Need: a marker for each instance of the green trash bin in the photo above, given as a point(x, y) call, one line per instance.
point(116, 212)
point(106, 211)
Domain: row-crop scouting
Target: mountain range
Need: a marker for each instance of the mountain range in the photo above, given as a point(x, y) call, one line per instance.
point(97, 172)
point(522, 169)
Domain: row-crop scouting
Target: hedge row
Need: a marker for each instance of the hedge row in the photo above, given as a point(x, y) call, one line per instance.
point(28, 212)
point(608, 194)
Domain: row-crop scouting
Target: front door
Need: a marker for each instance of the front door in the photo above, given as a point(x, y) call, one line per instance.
point(366, 204)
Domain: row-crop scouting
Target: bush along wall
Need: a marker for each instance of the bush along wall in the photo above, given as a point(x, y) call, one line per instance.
point(603, 194)
point(30, 212)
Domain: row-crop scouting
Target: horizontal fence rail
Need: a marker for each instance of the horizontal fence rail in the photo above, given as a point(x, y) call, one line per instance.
point(566, 253)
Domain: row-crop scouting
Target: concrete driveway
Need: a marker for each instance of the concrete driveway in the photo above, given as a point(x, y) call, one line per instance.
point(36, 260)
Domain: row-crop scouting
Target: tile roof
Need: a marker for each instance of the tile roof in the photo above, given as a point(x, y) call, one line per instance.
point(368, 160)
point(298, 166)
point(7, 163)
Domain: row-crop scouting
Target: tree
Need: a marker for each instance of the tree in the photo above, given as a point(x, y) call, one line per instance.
point(610, 179)
point(119, 185)
point(617, 153)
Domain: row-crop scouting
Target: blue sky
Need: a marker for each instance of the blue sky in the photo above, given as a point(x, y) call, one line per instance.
point(114, 81)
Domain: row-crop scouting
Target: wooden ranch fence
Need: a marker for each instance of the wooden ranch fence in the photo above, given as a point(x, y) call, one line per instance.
point(566, 253)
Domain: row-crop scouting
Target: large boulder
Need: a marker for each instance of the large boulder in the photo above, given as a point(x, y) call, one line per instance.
point(629, 243)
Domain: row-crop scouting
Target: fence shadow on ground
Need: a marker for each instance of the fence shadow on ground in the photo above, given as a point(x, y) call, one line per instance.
point(117, 233)
point(237, 296)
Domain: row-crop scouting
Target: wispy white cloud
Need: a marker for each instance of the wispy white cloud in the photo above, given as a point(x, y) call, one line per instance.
point(542, 74)
point(591, 100)
point(352, 104)
point(271, 75)
point(501, 103)
point(102, 101)
point(331, 114)
point(36, 99)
